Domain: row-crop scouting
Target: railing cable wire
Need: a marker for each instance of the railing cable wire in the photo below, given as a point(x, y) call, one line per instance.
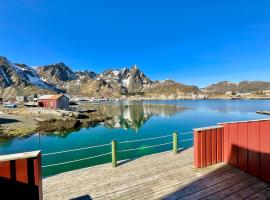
point(186, 133)
point(145, 147)
point(71, 150)
point(72, 161)
point(153, 138)
point(186, 140)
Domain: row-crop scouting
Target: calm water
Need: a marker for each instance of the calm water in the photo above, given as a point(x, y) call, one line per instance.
point(133, 120)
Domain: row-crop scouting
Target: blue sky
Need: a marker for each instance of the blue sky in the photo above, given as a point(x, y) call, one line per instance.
point(191, 41)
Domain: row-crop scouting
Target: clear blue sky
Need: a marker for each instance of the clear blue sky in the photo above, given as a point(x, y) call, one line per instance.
point(190, 41)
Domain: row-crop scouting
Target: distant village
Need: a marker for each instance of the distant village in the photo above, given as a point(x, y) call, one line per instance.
point(58, 101)
point(53, 101)
point(64, 101)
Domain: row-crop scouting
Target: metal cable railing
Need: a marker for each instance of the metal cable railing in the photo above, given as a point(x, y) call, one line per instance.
point(186, 133)
point(191, 139)
point(145, 147)
point(79, 149)
point(146, 139)
point(114, 150)
point(72, 161)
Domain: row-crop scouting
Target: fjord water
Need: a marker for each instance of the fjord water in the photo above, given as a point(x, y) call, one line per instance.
point(134, 120)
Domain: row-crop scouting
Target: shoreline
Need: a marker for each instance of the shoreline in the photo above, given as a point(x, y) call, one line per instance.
point(22, 122)
point(160, 99)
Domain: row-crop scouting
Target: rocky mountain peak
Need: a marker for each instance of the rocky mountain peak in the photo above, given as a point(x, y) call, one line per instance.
point(3, 59)
point(134, 68)
point(86, 74)
point(56, 73)
point(132, 80)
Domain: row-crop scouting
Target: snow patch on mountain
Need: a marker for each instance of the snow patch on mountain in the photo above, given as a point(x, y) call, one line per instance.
point(5, 76)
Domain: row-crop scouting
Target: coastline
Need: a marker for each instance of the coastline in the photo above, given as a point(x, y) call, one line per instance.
point(21, 122)
point(177, 98)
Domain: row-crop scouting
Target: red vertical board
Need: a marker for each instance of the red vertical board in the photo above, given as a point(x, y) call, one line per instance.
point(197, 148)
point(243, 146)
point(219, 144)
point(265, 150)
point(203, 148)
point(38, 175)
point(226, 143)
point(21, 170)
point(36, 171)
point(5, 169)
point(232, 144)
point(208, 147)
point(214, 146)
point(253, 148)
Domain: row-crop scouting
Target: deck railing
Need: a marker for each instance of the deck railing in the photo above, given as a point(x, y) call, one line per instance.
point(114, 148)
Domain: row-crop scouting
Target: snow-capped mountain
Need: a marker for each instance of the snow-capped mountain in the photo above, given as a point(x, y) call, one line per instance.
point(16, 78)
point(242, 87)
point(133, 79)
point(20, 79)
point(31, 76)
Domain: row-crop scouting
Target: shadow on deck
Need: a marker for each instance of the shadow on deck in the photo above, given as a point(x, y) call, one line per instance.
point(224, 183)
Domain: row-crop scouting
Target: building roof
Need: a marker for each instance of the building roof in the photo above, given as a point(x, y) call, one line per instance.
point(57, 96)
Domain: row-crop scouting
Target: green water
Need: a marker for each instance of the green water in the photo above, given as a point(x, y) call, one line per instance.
point(134, 120)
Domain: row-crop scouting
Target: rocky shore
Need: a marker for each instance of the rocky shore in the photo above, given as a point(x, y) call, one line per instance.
point(25, 121)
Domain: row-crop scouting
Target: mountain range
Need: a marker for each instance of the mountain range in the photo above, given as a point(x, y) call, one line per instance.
point(241, 87)
point(20, 79)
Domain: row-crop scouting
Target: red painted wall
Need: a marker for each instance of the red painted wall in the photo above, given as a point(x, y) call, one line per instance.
point(245, 145)
point(62, 102)
point(48, 103)
point(208, 146)
point(21, 178)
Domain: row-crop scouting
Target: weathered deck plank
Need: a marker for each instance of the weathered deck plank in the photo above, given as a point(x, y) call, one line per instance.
point(261, 195)
point(249, 191)
point(156, 176)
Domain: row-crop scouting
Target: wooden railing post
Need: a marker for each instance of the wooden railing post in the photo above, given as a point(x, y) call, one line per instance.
point(175, 142)
point(114, 153)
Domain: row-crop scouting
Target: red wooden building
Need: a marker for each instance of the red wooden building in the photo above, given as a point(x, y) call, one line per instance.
point(59, 101)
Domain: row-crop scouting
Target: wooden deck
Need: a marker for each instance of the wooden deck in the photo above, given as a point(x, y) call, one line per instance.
point(159, 176)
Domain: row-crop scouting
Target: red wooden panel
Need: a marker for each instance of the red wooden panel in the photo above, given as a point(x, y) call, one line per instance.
point(203, 148)
point(253, 148)
point(243, 146)
point(38, 175)
point(208, 147)
point(214, 146)
point(226, 143)
point(265, 150)
point(21, 170)
point(197, 148)
point(5, 169)
point(232, 142)
point(36, 172)
point(219, 145)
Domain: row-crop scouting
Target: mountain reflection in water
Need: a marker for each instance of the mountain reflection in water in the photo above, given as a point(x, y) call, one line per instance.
point(132, 115)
